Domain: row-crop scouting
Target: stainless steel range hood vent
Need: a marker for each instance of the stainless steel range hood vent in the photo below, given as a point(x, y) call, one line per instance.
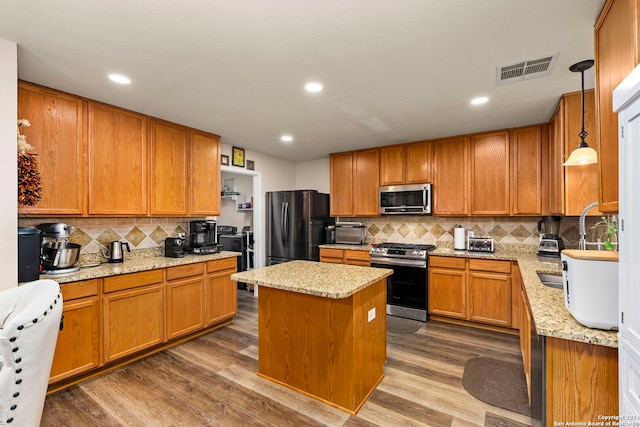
point(524, 70)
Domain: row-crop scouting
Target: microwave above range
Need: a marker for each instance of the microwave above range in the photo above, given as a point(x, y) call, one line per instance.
point(413, 199)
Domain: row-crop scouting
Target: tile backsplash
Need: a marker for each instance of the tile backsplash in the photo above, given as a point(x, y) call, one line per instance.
point(94, 234)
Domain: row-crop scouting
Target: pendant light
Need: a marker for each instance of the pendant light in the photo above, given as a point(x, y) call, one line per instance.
point(583, 155)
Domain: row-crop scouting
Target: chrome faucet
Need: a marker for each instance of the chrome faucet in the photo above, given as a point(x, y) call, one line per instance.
point(582, 243)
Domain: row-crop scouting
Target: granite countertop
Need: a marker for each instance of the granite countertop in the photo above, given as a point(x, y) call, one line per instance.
point(134, 265)
point(314, 278)
point(550, 316)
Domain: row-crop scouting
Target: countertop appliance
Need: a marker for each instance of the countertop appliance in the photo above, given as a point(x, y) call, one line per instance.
point(116, 251)
point(590, 283)
point(296, 222)
point(350, 233)
point(481, 244)
point(59, 256)
point(29, 247)
point(407, 286)
point(174, 247)
point(203, 237)
point(551, 244)
point(413, 199)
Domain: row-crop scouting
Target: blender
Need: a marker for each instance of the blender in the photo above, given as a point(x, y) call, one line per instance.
point(551, 244)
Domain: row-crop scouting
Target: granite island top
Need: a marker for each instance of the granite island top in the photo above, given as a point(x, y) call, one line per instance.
point(134, 265)
point(314, 278)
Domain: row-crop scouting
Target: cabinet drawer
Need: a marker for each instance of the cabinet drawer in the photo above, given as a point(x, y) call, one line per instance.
point(75, 290)
point(185, 271)
point(222, 265)
point(133, 280)
point(448, 262)
point(332, 253)
point(490, 265)
point(351, 255)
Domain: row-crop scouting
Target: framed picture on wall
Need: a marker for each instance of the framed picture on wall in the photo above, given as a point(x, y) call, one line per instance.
point(224, 160)
point(238, 157)
point(251, 165)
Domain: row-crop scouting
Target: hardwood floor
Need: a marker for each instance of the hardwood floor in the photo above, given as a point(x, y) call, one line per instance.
point(212, 380)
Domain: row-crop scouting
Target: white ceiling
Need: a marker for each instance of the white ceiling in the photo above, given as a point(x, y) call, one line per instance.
point(394, 70)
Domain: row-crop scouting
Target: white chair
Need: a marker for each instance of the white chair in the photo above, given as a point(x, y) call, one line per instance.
point(30, 317)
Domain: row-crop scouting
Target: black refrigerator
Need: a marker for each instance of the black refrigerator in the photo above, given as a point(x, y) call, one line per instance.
point(296, 221)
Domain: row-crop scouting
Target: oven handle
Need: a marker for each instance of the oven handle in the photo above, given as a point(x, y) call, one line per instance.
point(382, 261)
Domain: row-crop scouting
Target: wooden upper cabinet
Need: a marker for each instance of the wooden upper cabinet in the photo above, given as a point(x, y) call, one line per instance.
point(406, 163)
point(489, 174)
point(58, 135)
point(117, 161)
point(392, 165)
point(526, 170)
point(616, 55)
point(205, 173)
point(555, 170)
point(418, 162)
point(366, 167)
point(580, 182)
point(169, 168)
point(450, 176)
point(341, 184)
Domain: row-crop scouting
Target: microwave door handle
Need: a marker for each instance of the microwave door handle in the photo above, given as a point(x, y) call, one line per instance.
point(424, 198)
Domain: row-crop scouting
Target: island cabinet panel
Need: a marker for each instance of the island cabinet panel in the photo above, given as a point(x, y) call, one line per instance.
point(581, 381)
point(220, 292)
point(450, 176)
point(448, 287)
point(58, 135)
point(78, 345)
point(341, 184)
point(490, 174)
point(169, 168)
point(324, 347)
point(526, 170)
point(133, 313)
point(205, 173)
point(118, 149)
point(617, 33)
point(185, 299)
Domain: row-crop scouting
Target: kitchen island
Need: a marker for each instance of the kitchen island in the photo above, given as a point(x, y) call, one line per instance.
point(322, 329)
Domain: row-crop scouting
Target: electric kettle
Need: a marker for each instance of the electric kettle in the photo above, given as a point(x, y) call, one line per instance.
point(116, 253)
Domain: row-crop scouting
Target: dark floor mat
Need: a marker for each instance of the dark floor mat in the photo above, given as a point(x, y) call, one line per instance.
point(497, 383)
point(400, 325)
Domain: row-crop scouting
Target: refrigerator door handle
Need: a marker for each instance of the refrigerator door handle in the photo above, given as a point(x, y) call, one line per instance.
point(285, 220)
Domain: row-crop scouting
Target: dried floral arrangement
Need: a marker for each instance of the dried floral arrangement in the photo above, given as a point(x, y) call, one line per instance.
point(29, 185)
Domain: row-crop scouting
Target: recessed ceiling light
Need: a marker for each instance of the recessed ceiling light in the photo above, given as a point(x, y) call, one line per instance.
point(479, 100)
point(119, 78)
point(314, 87)
point(286, 138)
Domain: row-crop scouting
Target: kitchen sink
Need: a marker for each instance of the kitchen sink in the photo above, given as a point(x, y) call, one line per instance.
point(551, 280)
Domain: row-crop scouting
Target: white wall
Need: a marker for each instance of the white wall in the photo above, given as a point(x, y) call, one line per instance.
point(313, 175)
point(8, 164)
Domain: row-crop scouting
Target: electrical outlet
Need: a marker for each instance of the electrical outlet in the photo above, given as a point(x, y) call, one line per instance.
point(471, 233)
point(181, 236)
point(372, 314)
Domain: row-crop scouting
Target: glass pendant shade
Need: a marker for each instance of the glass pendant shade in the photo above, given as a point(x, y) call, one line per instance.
point(582, 156)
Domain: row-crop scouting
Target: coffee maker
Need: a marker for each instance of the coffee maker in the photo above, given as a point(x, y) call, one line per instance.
point(203, 237)
point(551, 244)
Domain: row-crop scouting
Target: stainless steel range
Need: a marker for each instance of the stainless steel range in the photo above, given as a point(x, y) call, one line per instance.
point(407, 286)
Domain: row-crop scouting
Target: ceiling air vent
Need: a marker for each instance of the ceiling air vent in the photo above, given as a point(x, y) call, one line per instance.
point(524, 70)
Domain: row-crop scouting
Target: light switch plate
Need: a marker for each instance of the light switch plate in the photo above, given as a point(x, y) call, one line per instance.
point(372, 314)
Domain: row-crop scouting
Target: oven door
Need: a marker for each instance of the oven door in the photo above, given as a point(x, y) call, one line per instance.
point(406, 288)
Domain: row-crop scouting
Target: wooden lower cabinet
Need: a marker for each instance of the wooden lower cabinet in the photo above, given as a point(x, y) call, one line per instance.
point(221, 292)
point(78, 346)
point(345, 256)
point(185, 302)
point(133, 313)
point(470, 289)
